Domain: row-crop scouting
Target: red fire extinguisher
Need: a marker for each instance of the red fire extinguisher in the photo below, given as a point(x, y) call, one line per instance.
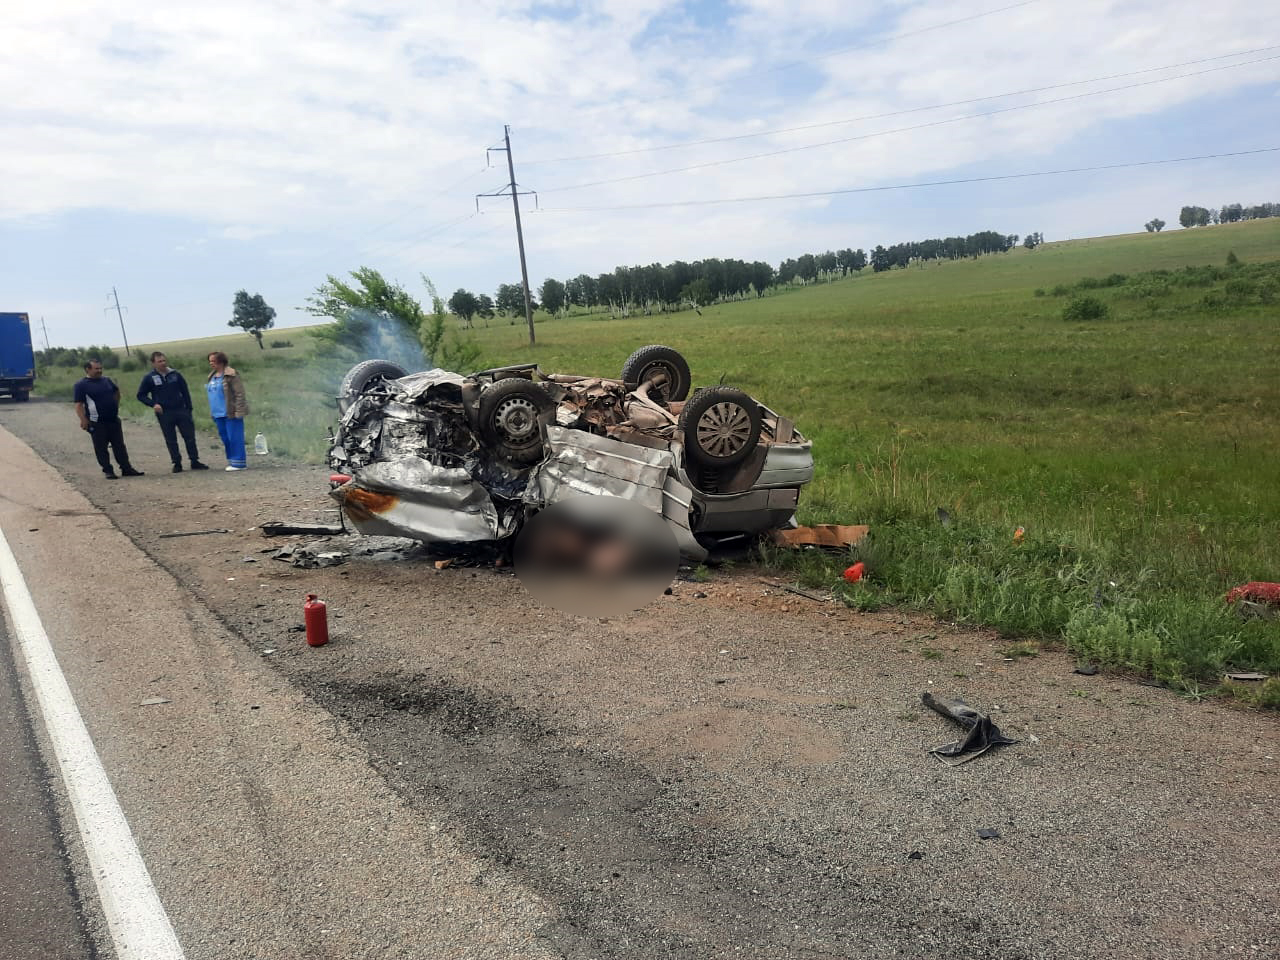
point(316, 616)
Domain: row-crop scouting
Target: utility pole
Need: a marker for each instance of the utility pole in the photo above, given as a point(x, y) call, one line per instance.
point(116, 296)
point(515, 202)
point(46, 333)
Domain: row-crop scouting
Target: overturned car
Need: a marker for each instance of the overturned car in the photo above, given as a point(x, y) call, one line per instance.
point(447, 458)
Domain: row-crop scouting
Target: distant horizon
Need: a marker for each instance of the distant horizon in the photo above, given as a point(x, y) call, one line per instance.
point(319, 322)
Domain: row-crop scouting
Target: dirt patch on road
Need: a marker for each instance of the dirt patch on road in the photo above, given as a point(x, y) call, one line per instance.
point(719, 776)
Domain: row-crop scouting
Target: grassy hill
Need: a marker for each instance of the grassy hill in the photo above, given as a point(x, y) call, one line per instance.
point(1137, 449)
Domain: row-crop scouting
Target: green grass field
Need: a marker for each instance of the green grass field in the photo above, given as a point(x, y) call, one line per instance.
point(1137, 450)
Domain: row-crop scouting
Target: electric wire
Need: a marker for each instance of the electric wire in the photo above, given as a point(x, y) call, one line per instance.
point(682, 144)
point(881, 133)
point(813, 194)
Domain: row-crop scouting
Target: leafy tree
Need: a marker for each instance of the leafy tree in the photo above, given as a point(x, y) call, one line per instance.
point(1032, 240)
point(252, 315)
point(1197, 217)
point(880, 259)
point(553, 295)
point(375, 317)
point(1154, 226)
point(484, 307)
point(762, 277)
point(509, 300)
point(698, 292)
point(464, 305)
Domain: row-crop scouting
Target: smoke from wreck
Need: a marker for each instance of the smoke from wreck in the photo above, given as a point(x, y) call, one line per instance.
point(378, 337)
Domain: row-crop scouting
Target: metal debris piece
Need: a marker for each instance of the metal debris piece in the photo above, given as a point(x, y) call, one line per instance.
point(309, 557)
point(791, 588)
point(981, 734)
point(153, 702)
point(192, 533)
point(1087, 670)
point(988, 833)
point(1248, 677)
point(823, 535)
point(279, 528)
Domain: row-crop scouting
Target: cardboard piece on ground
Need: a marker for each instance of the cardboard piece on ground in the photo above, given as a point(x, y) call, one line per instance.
point(822, 535)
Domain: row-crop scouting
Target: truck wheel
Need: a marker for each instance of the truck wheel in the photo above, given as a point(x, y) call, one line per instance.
point(509, 413)
point(720, 426)
point(22, 396)
point(362, 374)
point(664, 367)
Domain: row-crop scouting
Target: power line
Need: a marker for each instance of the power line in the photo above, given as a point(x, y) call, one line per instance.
point(476, 236)
point(881, 133)
point(893, 113)
point(909, 186)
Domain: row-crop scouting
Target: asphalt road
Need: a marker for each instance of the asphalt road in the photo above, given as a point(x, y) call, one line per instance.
point(39, 905)
point(731, 772)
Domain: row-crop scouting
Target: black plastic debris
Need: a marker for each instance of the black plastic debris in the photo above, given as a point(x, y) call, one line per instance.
point(915, 855)
point(981, 734)
point(988, 833)
point(1086, 670)
point(279, 528)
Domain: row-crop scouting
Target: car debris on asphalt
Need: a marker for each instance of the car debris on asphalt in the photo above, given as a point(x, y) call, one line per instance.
point(307, 558)
point(446, 458)
point(982, 734)
point(192, 533)
point(281, 528)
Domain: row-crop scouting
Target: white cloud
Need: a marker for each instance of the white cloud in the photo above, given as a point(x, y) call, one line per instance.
point(262, 119)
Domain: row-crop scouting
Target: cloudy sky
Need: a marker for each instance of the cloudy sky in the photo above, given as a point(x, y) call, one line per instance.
point(181, 151)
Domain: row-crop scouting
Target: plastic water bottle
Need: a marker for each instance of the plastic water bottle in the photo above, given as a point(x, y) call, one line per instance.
point(260, 444)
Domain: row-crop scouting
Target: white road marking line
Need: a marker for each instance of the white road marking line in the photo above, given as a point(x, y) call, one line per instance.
point(139, 925)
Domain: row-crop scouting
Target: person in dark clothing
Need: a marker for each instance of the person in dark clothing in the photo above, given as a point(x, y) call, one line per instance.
point(97, 400)
point(165, 391)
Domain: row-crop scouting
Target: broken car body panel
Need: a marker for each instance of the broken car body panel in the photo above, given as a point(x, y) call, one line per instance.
point(440, 457)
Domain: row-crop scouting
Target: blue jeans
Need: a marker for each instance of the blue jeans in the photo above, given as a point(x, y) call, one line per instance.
point(232, 434)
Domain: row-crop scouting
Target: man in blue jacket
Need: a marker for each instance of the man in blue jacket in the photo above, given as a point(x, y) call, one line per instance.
point(165, 391)
point(97, 401)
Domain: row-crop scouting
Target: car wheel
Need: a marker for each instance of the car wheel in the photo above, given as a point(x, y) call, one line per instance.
point(720, 426)
point(360, 376)
point(509, 412)
point(22, 396)
point(664, 368)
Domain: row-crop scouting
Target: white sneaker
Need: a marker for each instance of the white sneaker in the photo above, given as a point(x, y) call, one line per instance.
point(231, 469)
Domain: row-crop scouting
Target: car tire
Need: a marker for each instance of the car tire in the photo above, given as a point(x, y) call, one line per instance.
point(362, 374)
point(509, 412)
point(652, 361)
point(720, 426)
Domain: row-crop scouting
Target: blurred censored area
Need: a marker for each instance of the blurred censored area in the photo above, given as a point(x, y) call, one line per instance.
point(596, 556)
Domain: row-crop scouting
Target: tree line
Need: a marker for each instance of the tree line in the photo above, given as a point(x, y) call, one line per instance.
point(680, 284)
point(1193, 216)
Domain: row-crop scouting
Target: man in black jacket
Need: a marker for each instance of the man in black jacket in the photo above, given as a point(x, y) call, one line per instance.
point(165, 391)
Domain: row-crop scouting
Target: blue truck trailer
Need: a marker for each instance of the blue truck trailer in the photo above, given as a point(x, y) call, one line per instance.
point(17, 358)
